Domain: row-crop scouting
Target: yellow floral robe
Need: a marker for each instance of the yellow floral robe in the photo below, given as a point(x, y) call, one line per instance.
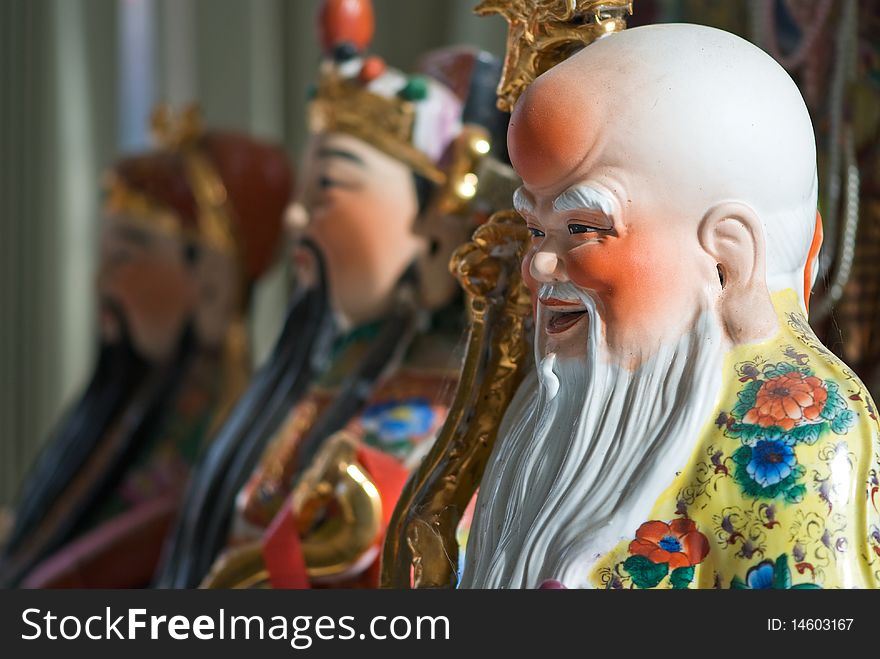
point(782, 488)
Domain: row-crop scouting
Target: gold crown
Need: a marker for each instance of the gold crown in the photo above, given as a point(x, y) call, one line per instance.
point(543, 33)
point(214, 224)
point(346, 106)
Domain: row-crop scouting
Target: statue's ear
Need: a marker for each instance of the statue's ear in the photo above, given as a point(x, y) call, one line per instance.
point(731, 233)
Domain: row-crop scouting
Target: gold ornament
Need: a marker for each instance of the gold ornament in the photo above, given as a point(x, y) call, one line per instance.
point(420, 547)
point(332, 545)
point(474, 179)
point(543, 33)
point(174, 132)
point(462, 180)
point(337, 544)
point(240, 568)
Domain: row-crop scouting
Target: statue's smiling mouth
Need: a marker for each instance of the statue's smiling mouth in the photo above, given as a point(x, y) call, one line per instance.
point(561, 315)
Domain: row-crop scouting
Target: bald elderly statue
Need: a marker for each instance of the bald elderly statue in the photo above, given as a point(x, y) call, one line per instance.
point(684, 427)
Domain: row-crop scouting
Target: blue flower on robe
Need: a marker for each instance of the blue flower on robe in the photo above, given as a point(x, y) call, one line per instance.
point(769, 575)
point(761, 576)
point(392, 422)
point(772, 461)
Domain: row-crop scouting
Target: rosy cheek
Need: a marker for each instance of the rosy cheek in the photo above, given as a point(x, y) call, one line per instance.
point(336, 228)
point(596, 266)
point(581, 268)
point(625, 273)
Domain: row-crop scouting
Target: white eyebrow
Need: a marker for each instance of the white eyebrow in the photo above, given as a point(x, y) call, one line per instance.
point(583, 197)
point(522, 204)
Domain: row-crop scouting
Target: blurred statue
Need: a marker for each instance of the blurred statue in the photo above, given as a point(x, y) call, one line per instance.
point(683, 427)
point(301, 352)
point(187, 231)
point(390, 182)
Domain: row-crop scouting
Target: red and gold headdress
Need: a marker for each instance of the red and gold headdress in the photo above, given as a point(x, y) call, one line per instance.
point(411, 118)
point(222, 189)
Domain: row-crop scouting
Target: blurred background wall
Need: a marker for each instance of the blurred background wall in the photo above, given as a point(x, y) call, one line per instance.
point(78, 79)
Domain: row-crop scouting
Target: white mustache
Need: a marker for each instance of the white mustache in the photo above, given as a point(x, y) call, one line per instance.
point(568, 291)
point(563, 291)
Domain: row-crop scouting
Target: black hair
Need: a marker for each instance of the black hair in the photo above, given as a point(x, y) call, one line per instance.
point(121, 378)
point(190, 253)
point(424, 191)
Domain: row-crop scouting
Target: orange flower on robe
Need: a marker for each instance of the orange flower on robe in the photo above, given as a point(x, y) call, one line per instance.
point(677, 543)
point(788, 400)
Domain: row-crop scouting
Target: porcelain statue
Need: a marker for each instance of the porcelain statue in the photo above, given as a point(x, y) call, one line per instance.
point(683, 427)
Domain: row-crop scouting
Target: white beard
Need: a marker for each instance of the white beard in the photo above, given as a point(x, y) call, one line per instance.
point(583, 454)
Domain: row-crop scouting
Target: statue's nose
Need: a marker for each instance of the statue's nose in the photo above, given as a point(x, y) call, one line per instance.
point(548, 267)
point(296, 219)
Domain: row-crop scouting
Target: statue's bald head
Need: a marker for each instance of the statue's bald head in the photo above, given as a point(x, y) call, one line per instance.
point(703, 115)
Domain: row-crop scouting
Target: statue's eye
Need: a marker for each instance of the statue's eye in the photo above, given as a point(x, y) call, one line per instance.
point(536, 233)
point(580, 228)
point(325, 182)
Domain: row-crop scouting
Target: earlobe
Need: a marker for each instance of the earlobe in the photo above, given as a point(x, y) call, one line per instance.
point(731, 233)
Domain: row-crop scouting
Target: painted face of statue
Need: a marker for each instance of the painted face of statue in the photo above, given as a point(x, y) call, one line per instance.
point(360, 206)
point(173, 256)
point(145, 278)
point(658, 232)
point(158, 283)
